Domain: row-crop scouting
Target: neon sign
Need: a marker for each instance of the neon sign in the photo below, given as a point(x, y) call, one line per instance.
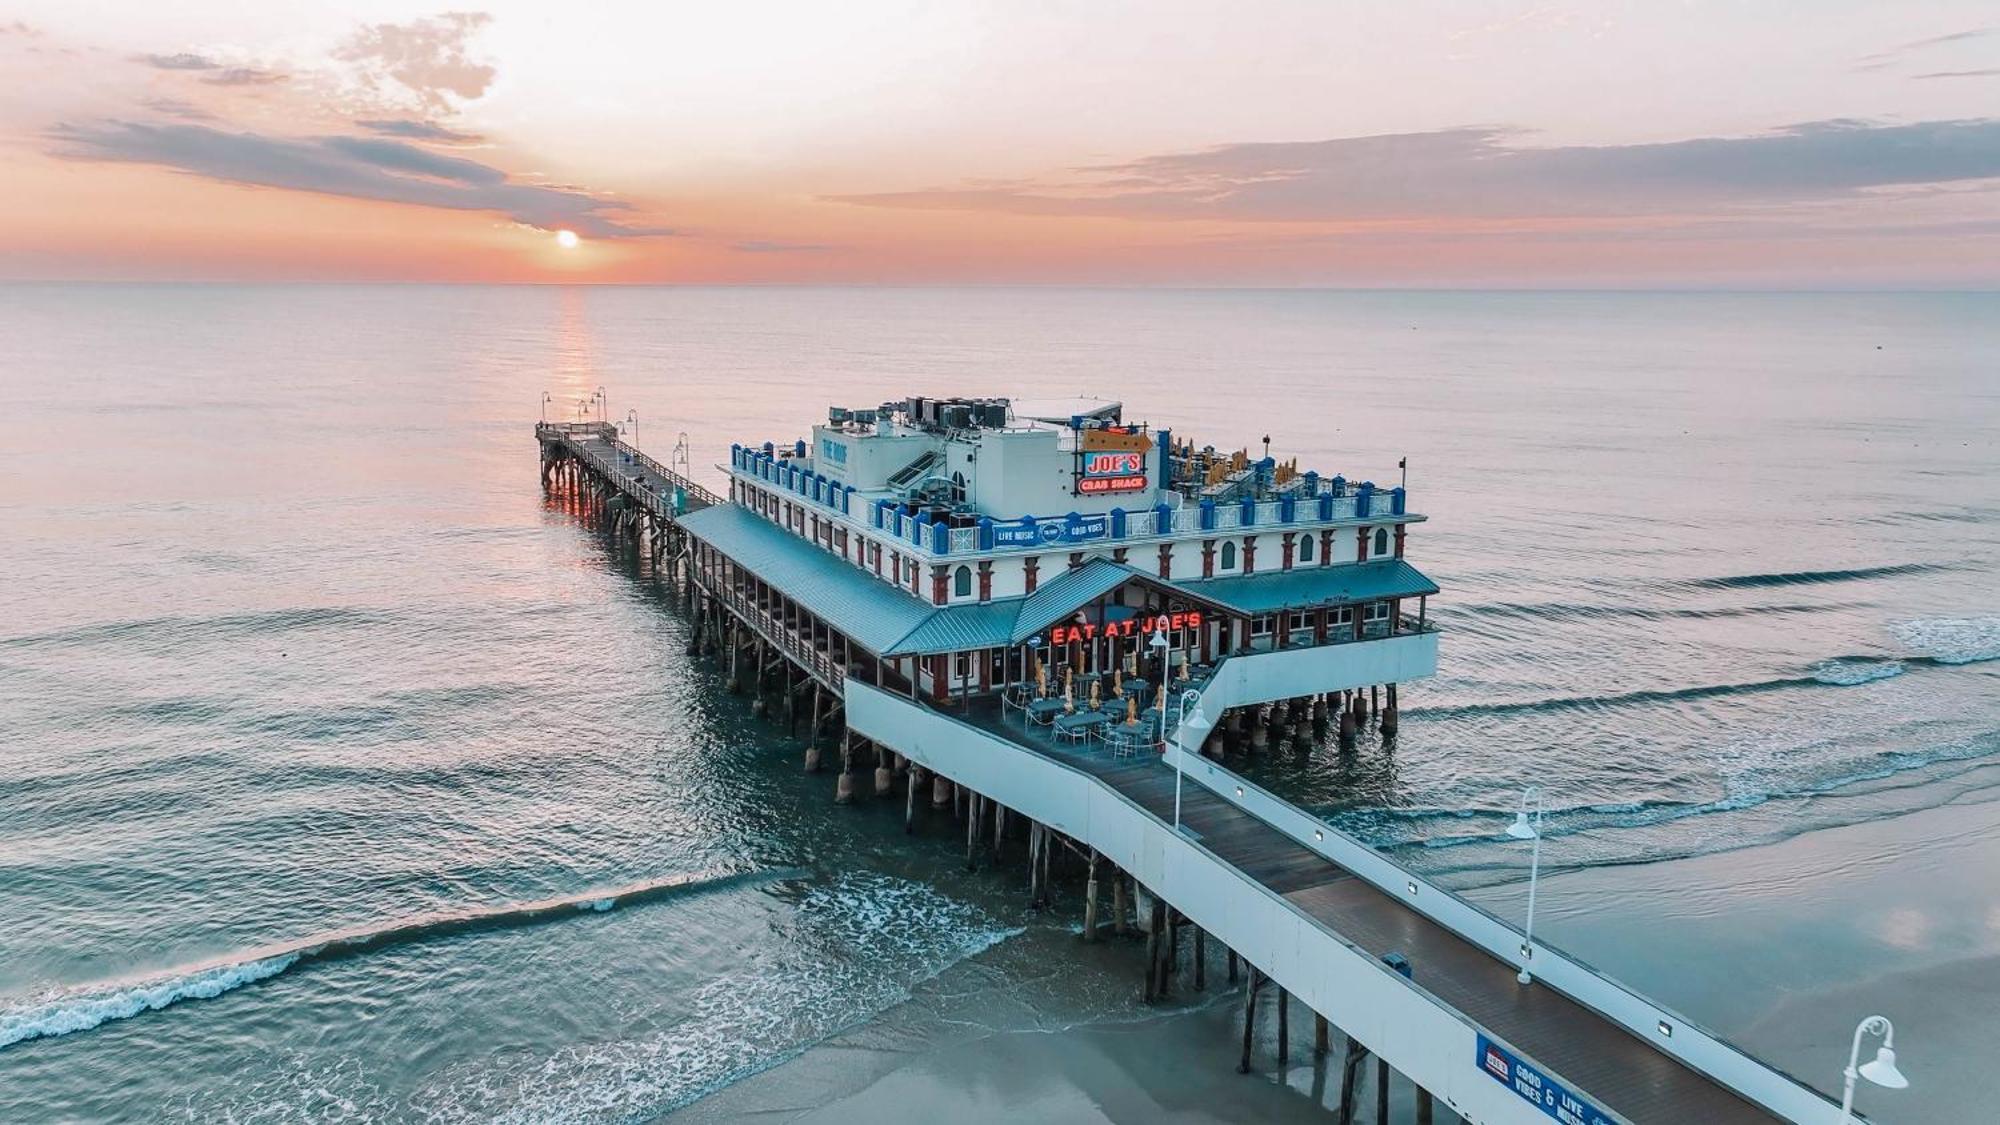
point(1130, 627)
point(1111, 470)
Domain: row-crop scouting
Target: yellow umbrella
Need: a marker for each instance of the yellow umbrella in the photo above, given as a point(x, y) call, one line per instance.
point(1069, 690)
point(1041, 675)
point(1132, 711)
point(1118, 682)
point(1093, 695)
point(1162, 704)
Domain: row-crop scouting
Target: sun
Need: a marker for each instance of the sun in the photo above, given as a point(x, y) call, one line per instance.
point(566, 239)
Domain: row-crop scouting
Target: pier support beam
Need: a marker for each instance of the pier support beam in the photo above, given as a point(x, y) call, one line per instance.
point(1090, 900)
point(1249, 1022)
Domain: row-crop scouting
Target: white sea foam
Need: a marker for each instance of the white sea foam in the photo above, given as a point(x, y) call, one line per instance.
point(852, 949)
point(1952, 640)
point(63, 1011)
point(1848, 673)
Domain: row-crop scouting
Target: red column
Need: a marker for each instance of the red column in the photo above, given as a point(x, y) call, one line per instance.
point(1166, 560)
point(1360, 544)
point(1326, 547)
point(985, 580)
point(1249, 554)
point(1029, 566)
point(1286, 562)
point(940, 585)
point(1399, 540)
point(1208, 558)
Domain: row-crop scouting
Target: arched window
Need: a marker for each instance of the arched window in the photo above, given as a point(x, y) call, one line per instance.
point(1381, 541)
point(1306, 547)
point(1229, 556)
point(961, 582)
point(958, 488)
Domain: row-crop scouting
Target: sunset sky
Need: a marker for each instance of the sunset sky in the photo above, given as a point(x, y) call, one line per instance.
point(1830, 144)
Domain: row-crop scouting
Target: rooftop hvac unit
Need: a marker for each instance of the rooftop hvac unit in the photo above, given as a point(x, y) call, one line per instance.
point(958, 417)
point(839, 415)
point(995, 415)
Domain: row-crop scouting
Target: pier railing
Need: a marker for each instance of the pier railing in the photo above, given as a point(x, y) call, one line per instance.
point(781, 636)
point(599, 444)
point(1333, 505)
point(1666, 1030)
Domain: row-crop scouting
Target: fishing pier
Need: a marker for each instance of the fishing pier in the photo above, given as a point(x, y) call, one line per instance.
point(1072, 685)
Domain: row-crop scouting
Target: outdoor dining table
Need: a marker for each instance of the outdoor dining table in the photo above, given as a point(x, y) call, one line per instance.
point(1136, 686)
point(1042, 710)
point(1080, 724)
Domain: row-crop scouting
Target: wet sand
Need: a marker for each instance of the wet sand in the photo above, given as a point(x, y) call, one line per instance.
point(1780, 948)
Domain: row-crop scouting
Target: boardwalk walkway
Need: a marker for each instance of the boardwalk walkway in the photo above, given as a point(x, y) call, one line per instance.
point(1621, 1072)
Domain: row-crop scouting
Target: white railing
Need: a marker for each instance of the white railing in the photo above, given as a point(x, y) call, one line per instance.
point(1667, 1031)
point(1140, 525)
point(1421, 1036)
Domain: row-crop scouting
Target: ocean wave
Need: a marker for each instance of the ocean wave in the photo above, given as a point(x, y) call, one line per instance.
point(1616, 699)
point(1811, 577)
point(63, 1011)
point(1592, 611)
point(218, 627)
point(1393, 829)
point(855, 947)
point(1951, 640)
point(1848, 672)
point(82, 1007)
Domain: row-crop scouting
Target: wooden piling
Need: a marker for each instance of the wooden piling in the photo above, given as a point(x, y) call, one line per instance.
point(1381, 1089)
point(1249, 1022)
point(1350, 1078)
point(1284, 1027)
point(1118, 905)
point(1200, 958)
point(1090, 900)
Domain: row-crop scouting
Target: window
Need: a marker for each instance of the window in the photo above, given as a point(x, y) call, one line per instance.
point(1260, 626)
point(1342, 616)
point(961, 582)
point(1381, 541)
point(1298, 622)
point(1377, 611)
point(1306, 547)
point(1229, 556)
point(958, 488)
point(961, 663)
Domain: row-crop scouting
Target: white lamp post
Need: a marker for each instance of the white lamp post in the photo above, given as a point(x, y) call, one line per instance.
point(1881, 1072)
point(1522, 829)
point(632, 427)
point(546, 399)
point(1159, 645)
point(1194, 723)
point(603, 405)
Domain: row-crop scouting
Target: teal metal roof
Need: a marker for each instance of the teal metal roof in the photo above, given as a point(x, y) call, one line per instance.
point(890, 622)
point(1314, 586)
point(961, 627)
point(872, 612)
point(1059, 597)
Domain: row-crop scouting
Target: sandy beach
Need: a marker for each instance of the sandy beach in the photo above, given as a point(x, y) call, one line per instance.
point(1795, 941)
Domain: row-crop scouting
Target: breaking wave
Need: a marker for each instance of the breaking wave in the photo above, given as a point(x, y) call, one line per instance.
point(1951, 640)
point(62, 1011)
point(1847, 672)
point(855, 947)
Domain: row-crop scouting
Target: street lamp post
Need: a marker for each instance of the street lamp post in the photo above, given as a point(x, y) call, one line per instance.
point(603, 405)
point(1159, 645)
point(1881, 1072)
point(1195, 724)
point(632, 424)
point(546, 399)
point(1522, 829)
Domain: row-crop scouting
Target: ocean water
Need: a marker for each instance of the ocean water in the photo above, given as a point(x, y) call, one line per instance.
point(345, 777)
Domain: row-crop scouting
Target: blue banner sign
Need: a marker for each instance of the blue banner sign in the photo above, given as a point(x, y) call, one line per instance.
point(1049, 532)
point(1550, 1096)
